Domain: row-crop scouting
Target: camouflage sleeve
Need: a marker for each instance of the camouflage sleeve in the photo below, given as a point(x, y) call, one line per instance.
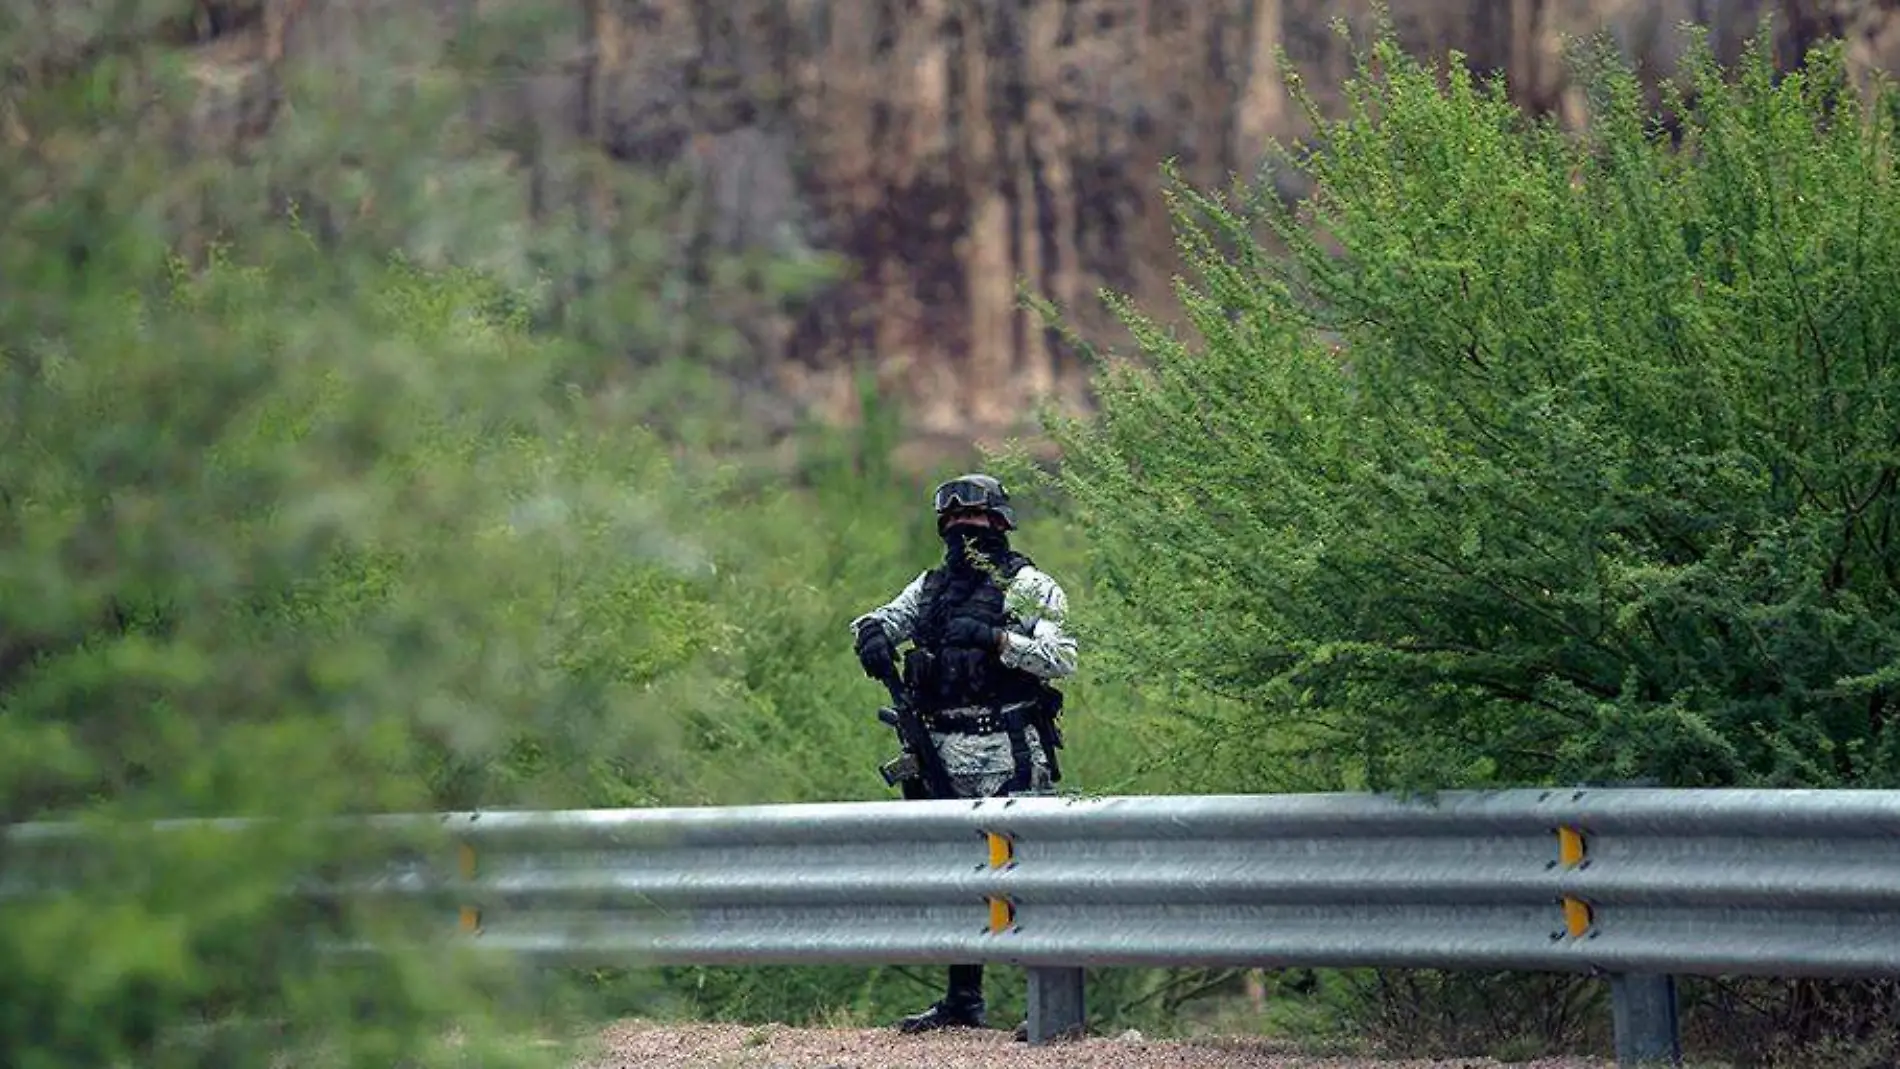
point(1038, 644)
point(898, 615)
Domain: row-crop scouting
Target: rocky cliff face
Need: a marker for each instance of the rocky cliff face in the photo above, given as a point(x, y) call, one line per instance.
point(947, 148)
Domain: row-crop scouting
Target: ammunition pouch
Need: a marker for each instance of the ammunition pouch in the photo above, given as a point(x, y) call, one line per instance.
point(921, 677)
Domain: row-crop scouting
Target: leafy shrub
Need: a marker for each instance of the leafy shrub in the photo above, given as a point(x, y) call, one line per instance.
point(1538, 457)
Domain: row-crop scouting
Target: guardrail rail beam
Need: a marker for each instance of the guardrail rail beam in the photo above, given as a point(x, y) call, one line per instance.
point(1640, 885)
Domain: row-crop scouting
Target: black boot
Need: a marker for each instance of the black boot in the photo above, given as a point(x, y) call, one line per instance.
point(960, 1007)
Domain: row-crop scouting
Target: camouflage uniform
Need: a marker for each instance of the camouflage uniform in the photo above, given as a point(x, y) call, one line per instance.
point(979, 765)
point(987, 629)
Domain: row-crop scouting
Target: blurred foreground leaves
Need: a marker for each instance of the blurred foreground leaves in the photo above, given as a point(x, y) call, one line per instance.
point(279, 548)
point(293, 526)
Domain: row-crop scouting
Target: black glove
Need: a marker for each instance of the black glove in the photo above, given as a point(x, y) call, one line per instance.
point(973, 634)
point(875, 651)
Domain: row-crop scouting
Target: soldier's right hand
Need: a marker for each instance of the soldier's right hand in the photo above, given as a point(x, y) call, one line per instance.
point(875, 651)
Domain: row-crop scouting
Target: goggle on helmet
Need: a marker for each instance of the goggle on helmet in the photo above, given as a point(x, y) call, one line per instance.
point(975, 491)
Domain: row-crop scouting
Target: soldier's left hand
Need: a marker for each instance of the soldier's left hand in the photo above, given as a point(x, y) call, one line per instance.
point(974, 634)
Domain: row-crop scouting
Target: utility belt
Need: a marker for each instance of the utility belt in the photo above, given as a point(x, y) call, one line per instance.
point(977, 719)
point(921, 679)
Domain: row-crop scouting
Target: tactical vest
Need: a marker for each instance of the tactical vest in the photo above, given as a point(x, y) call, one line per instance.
point(962, 676)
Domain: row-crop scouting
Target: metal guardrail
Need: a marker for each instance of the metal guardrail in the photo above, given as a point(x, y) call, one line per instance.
point(1634, 884)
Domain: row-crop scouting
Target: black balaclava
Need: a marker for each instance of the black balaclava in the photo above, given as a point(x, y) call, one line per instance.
point(992, 543)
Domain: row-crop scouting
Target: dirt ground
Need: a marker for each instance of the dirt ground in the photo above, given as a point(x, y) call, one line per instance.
point(651, 1045)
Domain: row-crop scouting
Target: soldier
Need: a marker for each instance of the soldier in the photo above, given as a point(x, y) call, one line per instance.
point(987, 635)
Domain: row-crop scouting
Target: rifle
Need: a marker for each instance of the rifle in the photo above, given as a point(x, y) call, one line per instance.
point(1047, 716)
point(919, 768)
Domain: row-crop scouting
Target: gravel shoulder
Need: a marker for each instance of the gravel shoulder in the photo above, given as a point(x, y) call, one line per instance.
point(654, 1045)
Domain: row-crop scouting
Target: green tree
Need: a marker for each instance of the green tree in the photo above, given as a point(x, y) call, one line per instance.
point(1536, 456)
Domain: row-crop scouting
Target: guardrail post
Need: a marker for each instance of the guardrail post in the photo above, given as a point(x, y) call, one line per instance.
point(1056, 1010)
point(1643, 1007)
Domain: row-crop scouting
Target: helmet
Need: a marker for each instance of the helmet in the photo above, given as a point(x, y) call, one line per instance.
point(975, 490)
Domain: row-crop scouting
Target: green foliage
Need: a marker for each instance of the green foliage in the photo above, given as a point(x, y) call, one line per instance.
point(242, 505)
point(277, 546)
point(1540, 456)
point(303, 529)
point(306, 529)
point(786, 714)
point(782, 711)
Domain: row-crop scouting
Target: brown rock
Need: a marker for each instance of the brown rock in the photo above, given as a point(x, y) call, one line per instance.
point(943, 148)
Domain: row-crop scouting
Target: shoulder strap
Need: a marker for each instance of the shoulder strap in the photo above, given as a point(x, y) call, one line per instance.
point(934, 582)
point(933, 585)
